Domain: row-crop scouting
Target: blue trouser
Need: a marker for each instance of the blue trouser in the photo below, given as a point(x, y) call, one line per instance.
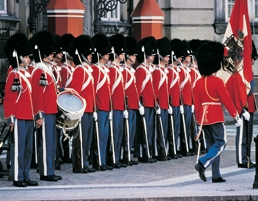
point(176, 121)
point(216, 142)
point(241, 140)
point(149, 114)
point(132, 115)
point(87, 132)
point(21, 150)
point(103, 126)
point(164, 124)
point(118, 125)
point(47, 146)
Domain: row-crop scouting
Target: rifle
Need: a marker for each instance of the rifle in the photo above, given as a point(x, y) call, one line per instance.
point(172, 133)
point(145, 130)
point(127, 133)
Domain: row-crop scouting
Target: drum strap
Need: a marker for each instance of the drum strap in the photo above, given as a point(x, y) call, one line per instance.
point(90, 78)
point(101, 83)
point(187, 77)
point(148, 77)
point(163, 77)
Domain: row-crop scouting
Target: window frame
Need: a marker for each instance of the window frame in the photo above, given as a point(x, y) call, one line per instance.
point(251, 10)
point(4, 11)
point(116, 12)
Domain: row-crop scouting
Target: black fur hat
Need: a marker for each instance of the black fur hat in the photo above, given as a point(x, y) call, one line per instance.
point(210, 57)
point(131, 46)
point(118, 42)
point(101, 43)
point(177, 47)
point(81, 45)
point(187, 51)
point(59, 43)
point(66, 40)
point(194, 45)
point(150, 48)
point(164, 46)
point(254, 52)
point(19, 43)
point(46, 44)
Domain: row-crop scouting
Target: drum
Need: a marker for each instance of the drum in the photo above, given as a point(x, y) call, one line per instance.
point(70, 109)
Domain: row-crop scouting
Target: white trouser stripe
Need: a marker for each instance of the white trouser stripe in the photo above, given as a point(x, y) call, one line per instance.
point(16, 164)
point(240, 140)
point(44, 147)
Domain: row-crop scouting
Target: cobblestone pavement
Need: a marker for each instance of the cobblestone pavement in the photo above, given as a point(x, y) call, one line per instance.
point(169, 180)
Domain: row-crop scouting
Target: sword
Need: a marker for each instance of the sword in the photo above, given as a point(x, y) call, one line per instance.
point(162, 132)
point(80, 130)
point(97, 136)
point(173, 135)
point(183, 120)
point(127, 131)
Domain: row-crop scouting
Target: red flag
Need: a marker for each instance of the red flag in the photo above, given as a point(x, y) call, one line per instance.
point(237, 72)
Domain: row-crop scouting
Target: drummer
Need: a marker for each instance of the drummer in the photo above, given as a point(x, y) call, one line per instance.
point(44, 96)
point(82, 82)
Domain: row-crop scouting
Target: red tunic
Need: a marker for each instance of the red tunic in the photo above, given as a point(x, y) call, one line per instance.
point(160, 85)
point(65, 73)
point(117, 87)
point(185, 86)
point(130, 88)
point(211, 91)
point(145, 86)
point(102, 87)
point(174, 85)
point(82, 82)
point(44, 97)
point(18, 104)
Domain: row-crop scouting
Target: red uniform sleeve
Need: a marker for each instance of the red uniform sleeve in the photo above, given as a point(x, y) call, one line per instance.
point(156, 79)
point(140, 76)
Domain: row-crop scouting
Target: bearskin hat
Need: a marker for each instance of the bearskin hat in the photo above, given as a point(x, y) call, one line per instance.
point(186, 48)
point(19, 43)
point(83, 45)
point(101, 43)
point(210, 57)
point(254, 52)
point(118, 42)
point(150, 48)
point(59, 44)
point(66, 40)
point(46, 44)
point(177, 47)
point(131, 46)
point(194, 45)
point(164, 46)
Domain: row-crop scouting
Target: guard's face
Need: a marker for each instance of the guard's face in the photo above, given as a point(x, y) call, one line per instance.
point(121, 57)
point(59, 56)
point(150, 58)
point(105, 57)
point(26, 59)
point(132, 59)
point(166, 59)
point(51, 56)
point(188, 59)
point(89, 57)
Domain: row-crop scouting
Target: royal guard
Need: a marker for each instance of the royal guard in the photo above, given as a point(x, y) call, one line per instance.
point(81, 49)
point(210, 93)
point(18, 110)
point(175, 96)
point(67, 66)
point(103, 93)
point(185, 97)
point(119, 111)
point(131, 94)
point(44, 97)
point(245, 131)
point(160, 85)
point(147, 48)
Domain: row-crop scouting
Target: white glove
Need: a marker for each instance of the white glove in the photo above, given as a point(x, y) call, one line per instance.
point(157, 108)
point(141, 109)
point(111, 115)
point(246, 115)
point(170, 110)
point(192, 108)
point(126, 114)
point(238, 121)
point(95, 116)
point(182, 109)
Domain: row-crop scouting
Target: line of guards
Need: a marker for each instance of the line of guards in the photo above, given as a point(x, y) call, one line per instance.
point(138, 98)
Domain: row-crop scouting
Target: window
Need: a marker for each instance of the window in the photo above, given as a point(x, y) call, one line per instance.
point(3, 7)
point(113, 15)
point(252, 8)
